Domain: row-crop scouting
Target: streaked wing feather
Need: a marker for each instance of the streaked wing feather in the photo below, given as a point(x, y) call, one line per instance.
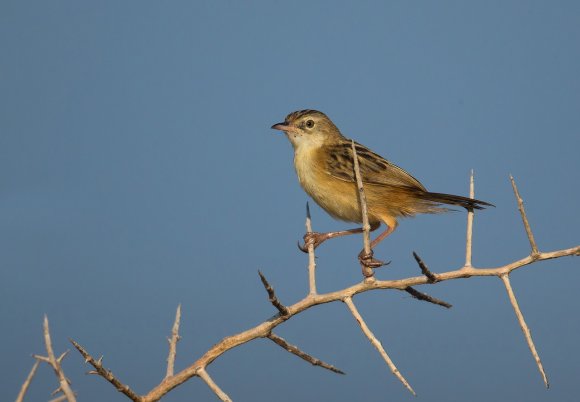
point(374, 168)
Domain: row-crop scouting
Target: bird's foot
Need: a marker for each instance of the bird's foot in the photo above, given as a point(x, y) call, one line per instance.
point(367, 260)
point(314, 238)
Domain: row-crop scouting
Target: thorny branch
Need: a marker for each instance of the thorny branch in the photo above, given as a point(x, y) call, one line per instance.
point(106, 374)
point(264, 329)
point(55, 363)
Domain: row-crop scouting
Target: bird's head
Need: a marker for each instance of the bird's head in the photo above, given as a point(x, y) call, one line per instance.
point(308, 128)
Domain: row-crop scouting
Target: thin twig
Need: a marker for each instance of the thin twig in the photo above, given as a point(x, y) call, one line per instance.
point(311, 256)
point(367, 271)
point(425, 297)
point(55, 363)
point(173, 342)
point(424, 269)
point(524, 218)
point(27, 382)
point(272, 296)
point(61, 398)
point(106, 374)
point(303, 355)
point(376, 343)
point(212, 385)
point(525, 329)
point(469, 237)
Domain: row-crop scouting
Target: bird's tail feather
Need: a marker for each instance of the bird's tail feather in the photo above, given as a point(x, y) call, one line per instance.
point(465, 202)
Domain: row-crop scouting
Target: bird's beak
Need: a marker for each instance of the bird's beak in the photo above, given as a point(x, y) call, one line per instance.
point(283, 127)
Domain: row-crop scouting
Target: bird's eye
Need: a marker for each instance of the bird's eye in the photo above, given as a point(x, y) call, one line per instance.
point(309, 123)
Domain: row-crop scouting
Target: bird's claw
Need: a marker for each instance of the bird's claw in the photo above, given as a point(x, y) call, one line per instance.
point(368, 261)
point(314, 238)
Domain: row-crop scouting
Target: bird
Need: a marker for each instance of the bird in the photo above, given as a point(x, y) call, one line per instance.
point(324, 164)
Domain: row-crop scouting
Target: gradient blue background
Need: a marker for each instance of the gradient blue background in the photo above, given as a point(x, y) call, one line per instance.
point(138, 171)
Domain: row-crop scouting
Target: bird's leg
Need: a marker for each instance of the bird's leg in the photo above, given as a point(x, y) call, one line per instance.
point(317, 238)
point(367, 260)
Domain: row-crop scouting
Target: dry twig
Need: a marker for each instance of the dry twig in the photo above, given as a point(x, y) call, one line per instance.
point(468, 240)
point(213, 386)
point(55, 363)
point(278, 340)
point(173, 343)
point(376, 343)
point(524, 217)
point(282, 309)
point(311, 256)
point(430, 275)
point(367, 271)
point(525, 329)
point(106, 374)
point(61, 398)
point(27, 382)
point(425, 297)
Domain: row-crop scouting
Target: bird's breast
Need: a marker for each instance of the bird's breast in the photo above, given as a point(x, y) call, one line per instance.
point(337, 197)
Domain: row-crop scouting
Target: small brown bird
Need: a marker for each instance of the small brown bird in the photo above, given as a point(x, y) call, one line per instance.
point(325, 166)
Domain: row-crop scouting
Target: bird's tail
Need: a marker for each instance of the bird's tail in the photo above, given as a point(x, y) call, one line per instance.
point(467, 203)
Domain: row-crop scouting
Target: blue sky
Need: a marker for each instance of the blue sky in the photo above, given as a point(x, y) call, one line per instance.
point(138, 170)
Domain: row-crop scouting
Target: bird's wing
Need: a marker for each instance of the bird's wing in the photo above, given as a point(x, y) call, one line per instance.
point(374, 168)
